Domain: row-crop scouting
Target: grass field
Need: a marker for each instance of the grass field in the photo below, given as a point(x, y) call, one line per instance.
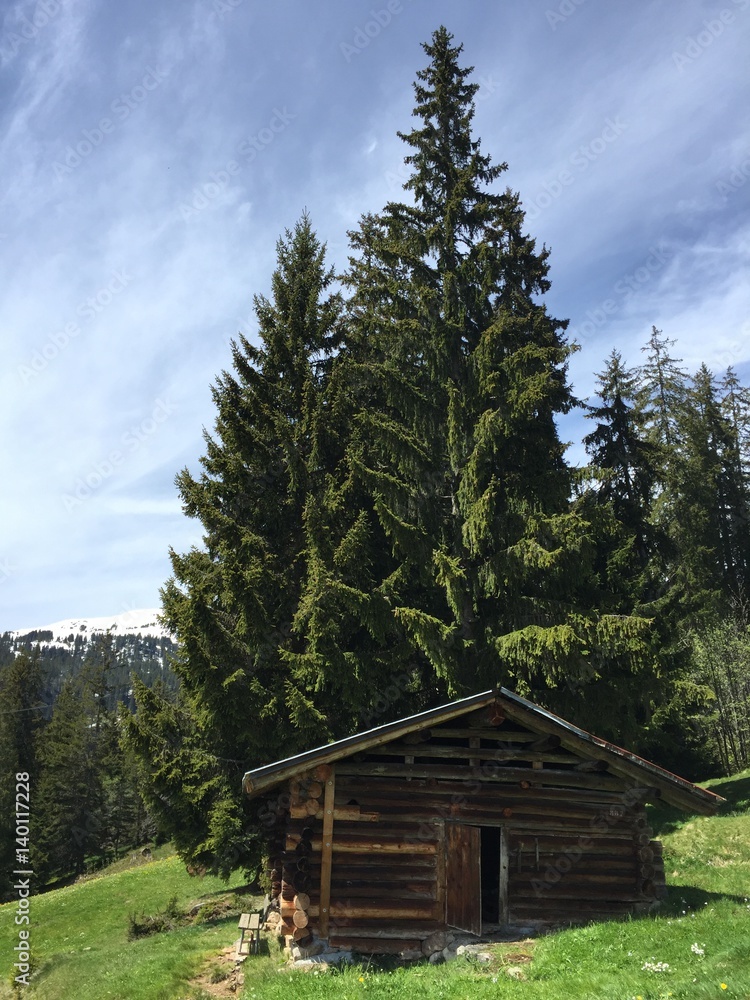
point(79, 934)
point(697, 947)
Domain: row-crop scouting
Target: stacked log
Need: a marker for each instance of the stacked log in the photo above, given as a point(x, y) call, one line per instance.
point(307, 792)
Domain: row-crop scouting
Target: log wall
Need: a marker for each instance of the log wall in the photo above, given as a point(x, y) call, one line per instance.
point(369, 872)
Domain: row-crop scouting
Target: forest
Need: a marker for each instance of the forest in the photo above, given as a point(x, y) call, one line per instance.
point(390, 522)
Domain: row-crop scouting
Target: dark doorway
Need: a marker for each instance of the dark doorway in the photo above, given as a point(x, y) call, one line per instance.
point(491, 851)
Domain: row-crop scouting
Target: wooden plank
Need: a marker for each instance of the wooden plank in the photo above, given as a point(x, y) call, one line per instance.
point(389, 910)
point(463, 733)
point(463, 877)
point(504, 866)
point(470, 753)
point(326, 854)
point(498, 775)
point(350, 813)
point(370, 845)
point(361, 787)
point(441, 874)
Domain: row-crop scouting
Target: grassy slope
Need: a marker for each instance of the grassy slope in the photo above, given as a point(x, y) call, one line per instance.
point(79, 936)
point(81, 946)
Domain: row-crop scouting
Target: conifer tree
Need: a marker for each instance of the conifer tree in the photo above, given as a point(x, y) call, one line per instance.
point(69, 811)
point(623, 466)
point(249, 691)
point(663, 390)
point(710, 523)
point(493, 579)
point(22, 719)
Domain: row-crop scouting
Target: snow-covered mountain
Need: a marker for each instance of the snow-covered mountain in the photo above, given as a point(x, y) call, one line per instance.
point(139, 645)
point(126, 623)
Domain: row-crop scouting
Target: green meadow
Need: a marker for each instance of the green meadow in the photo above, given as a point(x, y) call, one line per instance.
point(698, 946)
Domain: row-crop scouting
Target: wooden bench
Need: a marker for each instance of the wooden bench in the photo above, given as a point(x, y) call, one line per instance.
point(249, 924)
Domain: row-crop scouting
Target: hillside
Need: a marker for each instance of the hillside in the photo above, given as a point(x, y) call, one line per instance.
point(697, 947)
point(140, 645)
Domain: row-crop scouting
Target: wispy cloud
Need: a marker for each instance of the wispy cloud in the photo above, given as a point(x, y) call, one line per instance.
point(151, 156)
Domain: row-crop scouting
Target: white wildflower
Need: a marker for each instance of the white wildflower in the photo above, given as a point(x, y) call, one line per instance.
point(698, 949)
point(654, 966)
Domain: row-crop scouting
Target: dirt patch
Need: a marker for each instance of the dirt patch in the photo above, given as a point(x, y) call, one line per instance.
point(222, 978)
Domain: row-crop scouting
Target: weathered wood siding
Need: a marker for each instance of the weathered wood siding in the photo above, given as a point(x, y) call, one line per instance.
point(576, 840)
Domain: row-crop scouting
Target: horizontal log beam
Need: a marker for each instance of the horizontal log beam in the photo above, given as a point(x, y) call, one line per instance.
point(498, 775)
point(352, 814)
point(483, 732)
point(342, 909)
point(464, 753)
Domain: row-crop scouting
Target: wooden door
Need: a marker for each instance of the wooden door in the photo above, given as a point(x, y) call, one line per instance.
point(463, 877)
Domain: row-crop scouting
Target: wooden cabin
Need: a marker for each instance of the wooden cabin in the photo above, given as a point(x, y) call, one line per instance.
point(486, 812)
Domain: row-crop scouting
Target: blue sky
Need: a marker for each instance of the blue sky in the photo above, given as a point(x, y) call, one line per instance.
point(152, 153)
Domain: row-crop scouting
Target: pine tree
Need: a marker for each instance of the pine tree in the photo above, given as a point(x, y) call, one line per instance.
point(710, 525)
point(493, 579)
point(664, 388)
point(21, 727)
point(249, 689)
point(68, 817)
point(623, 465)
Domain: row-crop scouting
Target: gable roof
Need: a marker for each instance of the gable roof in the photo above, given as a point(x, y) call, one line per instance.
point(673, 789)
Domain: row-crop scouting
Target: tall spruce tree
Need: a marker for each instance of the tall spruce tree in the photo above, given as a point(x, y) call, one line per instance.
point(493, 578)
point(249, 692)
point(69, 815)
point(623, 468)
point(710, 523)
point(663, 390)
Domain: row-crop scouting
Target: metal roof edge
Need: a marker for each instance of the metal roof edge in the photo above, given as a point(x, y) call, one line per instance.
point(624, 755)
point(387, 730)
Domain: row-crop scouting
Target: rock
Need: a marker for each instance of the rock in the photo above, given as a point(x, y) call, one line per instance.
point(307, 965)
point(436, 958)
point(411, 954)
point(483, 956)
point(515, 972)
point(309, 951)
point(435, 942)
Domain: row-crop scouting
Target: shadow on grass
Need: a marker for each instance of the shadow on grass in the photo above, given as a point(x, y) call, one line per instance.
point(736, 791)
point(666, 819)
point(690, 897)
